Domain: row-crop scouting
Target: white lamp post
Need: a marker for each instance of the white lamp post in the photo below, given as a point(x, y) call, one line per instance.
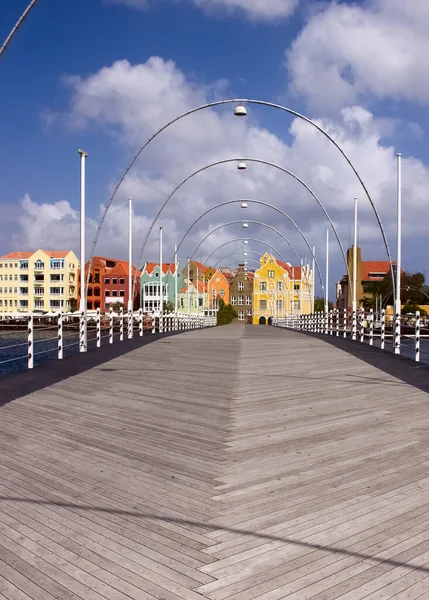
point(397, 343)
point(83, 338)
point(130, 269)
point(160, 274)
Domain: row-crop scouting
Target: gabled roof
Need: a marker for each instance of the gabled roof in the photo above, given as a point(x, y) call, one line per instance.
point(166, 267)
point(18, 255)
point(220, 271)
point(201, 268)
point(196, 285)
point(375, 266)
point(50, 253)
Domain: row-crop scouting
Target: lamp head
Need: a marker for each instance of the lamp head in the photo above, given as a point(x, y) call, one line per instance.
point(241, 166)
point(245, 225)
point(240, 111)
point(244, 205)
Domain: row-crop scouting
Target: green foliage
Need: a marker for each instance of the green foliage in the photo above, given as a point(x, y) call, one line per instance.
point(116, 306)
point(319, 305)
point(168, 307)
point(413, 308)
point(226, 313)
point(73, 305)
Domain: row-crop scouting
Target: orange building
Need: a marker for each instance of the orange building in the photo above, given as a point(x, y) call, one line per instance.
point(108, 284)
point(218, 288)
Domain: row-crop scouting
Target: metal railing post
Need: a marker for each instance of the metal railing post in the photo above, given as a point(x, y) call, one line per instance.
point(337, 322)
point(82, 332)
point(361, 327)
point(345, 323)
point(121, 324)
point(30, 341)
point(417, 333)
point(383, 329)
point(110, 325)
point(98, 328)
point(397, 335)
point(60, 336)
point(354, 324)
point(140, 322)
point(130, 323)
point(331, 322)
point(371, 327)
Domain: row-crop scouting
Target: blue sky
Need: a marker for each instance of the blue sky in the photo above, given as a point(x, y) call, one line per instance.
point(335, 62)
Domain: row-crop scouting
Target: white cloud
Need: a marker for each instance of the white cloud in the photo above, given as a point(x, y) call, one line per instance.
point(257, 10)
point(122, 99)
point(349, 52)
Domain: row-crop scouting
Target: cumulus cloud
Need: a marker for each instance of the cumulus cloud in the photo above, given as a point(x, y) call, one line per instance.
point(256, 10)
point(348, 52)
point(99, 101)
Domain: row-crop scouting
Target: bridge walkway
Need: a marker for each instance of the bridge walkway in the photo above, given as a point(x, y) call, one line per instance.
point(230, 463)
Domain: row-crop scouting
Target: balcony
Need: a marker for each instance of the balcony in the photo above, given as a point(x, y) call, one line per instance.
point(39, 267)
point(39, 282)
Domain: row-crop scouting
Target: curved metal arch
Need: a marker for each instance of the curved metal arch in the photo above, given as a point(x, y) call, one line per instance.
point(258, 161)
point(236, 252)
point(255, 223)
point(17, 25)
point(242, 240)
point(260, 202)
point(260, 103)
point(405, 287)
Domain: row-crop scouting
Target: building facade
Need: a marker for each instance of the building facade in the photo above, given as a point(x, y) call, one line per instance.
point(367, 272)
point(241, 293)
point(41, 281)
point(193, 298)
point(198, 270)
point(218, 288)
point(150, 293)
point(280, 290)
point(108, 284)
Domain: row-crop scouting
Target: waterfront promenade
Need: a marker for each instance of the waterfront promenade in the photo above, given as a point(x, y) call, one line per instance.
point(230, 463)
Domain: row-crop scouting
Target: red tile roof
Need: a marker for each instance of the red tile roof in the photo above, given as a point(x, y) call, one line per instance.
point(201, 268)
point(199, 285)
point(18, 255)
point(375, 266)
point(50, 253)
point(166, 267)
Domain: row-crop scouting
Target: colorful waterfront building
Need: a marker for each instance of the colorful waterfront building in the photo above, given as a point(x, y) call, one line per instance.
point(41, 281)
point(280, 290)
point(108, 284)
point(241, 293)
point(198, 271)
point(218, 288)
point(150, 295)
point(193, 298)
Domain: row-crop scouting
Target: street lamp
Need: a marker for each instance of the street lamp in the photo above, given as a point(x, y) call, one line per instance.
point(245, 242)
point(245, 225)
point(240, 111)
point(241, 166)
point(244, 205)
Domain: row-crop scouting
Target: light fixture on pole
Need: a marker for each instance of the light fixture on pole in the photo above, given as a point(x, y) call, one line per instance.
point(244, 205)
point(245, 254)
point(354, 300)
point(83, 338)
point(327, 275)
point(397, 337)
point(176, 298)
point(245, 242)
point(240, 111)
point(130, 269)
point(245, 225)
point(241, 166)
point(161, 296)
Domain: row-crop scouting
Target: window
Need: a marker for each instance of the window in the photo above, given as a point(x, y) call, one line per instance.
point(22, 290)
point(262, 305)
point(270, 273)
point(57, 264)
point(241, 315)
point(97, 292)
point(39, 265)
point(214, 293)
point(39, 304)
point(263, 285)
point(1, 290)
point(114, 293)
point(222, 293)
point(296, 286)
point(233, 300)
point(56, 291)
point(181, 303)
point(279, 304)
point(56, 303)
point(240, 286)
point(248, 300)
point(10, 290)
point(241, 300)
point(54, 278)
point(1, 277)
point(122, 293)
point(11, 266)
point(15, 277)
point(10, 278)
point(106, 293)
point(23, 278)
point(89, 292)
point(97, 277)
point(15, 290)
point(122, 281)
point(1, 265)
point(280, 286)
point(249, 313)
point(114, 281)
point(107, 280)
point(1, 302)
point(39, 291)
point(22, 303)
point(200, 301)
point(23, 264)
point(16, 302)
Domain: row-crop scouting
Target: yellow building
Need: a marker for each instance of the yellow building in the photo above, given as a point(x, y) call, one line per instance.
point(280, 290)
point(40, 281)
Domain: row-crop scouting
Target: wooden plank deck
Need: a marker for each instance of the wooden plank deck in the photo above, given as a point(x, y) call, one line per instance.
point(230, 463)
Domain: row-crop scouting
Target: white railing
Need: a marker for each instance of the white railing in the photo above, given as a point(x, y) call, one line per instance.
point(25, 337)
point(365, 326)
